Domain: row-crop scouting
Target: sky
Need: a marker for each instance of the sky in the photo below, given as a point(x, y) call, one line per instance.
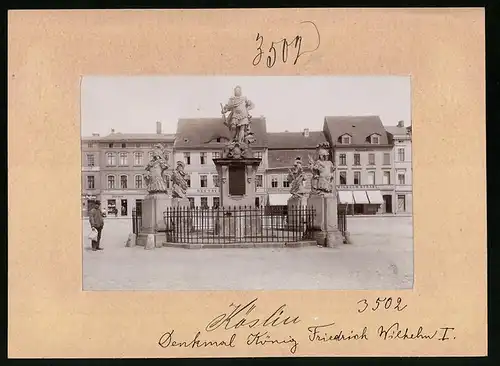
point(133, 104)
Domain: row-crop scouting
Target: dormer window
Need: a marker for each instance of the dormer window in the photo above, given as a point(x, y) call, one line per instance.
point(375, 139)
point(345, 139)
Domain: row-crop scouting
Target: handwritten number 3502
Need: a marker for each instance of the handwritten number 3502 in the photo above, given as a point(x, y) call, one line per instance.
point(382, 303)
point(272, 56)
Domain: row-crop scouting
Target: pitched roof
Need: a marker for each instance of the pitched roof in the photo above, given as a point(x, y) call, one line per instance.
point(199, 132)
point(294, 140)
point(286, 158)
point(359, 127)
point(395, 130)
point(118, 136)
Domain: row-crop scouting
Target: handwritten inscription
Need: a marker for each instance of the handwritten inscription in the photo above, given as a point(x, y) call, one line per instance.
point(283, 50)
point(381, 303)
point(243, 325)
point(241, 317)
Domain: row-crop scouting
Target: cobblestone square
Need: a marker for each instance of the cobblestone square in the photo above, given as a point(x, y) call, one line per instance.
point(381, 257)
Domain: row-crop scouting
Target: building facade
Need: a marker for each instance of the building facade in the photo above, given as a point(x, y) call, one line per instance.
point(402, 156)
point(113, 169)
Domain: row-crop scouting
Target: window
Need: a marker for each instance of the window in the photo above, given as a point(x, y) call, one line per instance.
point(401, 203)
point(216, 202)
point(346, 139)
point(123, 182)
point(343, 178)
point(401, 178)
point(124, 145)
point(188, 180)
point(204, 202)
point(90, 160)
point(90, 144)
point(274, 182)
point(371, 159)
point(138, 181)
point(191, 202)
point(371, 178)
point(124, 208)
point(342, 159)
point(91, 182)
point(187, 158)
point(123, 159)
point(375, 139)
point(357, 177)
point(387, 159)
point(257, 202)
point(401, 154)
point(203, 181)
point(257, 154)
point(215, 178)
point(216, 155)
point(387, 178)
point(138, 145)
point(203, 158)
point(110, 145)
point(286, 183)
point(138, 158)
point(111, 182)
point(111, 159)
point(112, 207)
point(357, 159)
point(138, 206)
point(258, 181)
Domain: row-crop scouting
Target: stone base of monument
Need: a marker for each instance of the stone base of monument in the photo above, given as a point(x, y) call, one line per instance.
point(296, 213)
point(159, 239)
point(325, 229)
point(241, 226)
point(153, 207)
point(248, 244)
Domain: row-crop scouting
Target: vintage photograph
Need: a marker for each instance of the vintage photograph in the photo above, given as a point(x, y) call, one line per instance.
point(246, 183)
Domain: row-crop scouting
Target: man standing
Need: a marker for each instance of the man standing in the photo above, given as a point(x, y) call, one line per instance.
point(97, 223)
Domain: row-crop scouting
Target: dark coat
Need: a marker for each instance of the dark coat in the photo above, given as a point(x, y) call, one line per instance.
point(95, 218)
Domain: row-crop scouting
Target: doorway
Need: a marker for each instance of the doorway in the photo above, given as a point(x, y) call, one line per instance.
point(388, 203)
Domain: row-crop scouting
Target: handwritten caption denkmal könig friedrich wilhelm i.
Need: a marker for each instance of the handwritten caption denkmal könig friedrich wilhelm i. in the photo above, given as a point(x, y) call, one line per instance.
point(241, 325)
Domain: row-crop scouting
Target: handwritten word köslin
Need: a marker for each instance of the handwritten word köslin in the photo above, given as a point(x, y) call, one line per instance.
point(283, 49)
point(238, 318)
point(381, 303)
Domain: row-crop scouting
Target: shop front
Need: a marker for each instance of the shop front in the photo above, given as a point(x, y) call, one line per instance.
point(87, 202)
point(121, 205)
point(360, 202)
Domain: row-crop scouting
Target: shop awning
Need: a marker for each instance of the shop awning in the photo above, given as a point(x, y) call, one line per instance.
point(345, 197)
point(375, 197)
point(360, 197)
point(278, 199)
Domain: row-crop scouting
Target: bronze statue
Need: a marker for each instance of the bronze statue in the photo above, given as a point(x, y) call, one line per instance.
point(179, 182)
point(156, 178)
point(323, 170)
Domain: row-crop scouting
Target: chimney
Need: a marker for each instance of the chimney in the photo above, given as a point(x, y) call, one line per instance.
point(112, 130)
point(95, 134)
point(306, 132)
point(401, 123)
point(158, 127)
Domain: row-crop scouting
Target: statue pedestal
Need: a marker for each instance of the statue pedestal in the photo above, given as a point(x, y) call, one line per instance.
point(326, 232)
point(153, 207)
point(296, 211)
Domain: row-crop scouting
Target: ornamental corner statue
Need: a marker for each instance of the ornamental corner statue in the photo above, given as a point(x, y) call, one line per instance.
point(296, 176)
point(322, 181)
point(156, 177)
point(239, 123)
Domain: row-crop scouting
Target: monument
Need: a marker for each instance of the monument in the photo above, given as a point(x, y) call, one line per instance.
point(298, 199)
point(157, 200)
point(323, 198)
point(237, 167)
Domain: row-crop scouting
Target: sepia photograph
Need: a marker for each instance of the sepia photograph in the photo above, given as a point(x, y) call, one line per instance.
point(246, 183)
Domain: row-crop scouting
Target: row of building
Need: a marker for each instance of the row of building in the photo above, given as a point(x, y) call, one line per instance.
point(373, 163)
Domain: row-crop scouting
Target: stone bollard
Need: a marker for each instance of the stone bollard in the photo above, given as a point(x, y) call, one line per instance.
point(131, 241)
point(150, 242)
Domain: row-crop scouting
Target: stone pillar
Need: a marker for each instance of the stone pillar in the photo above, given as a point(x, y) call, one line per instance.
point(153, 207)
point(326, 232)
point(295, 207)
